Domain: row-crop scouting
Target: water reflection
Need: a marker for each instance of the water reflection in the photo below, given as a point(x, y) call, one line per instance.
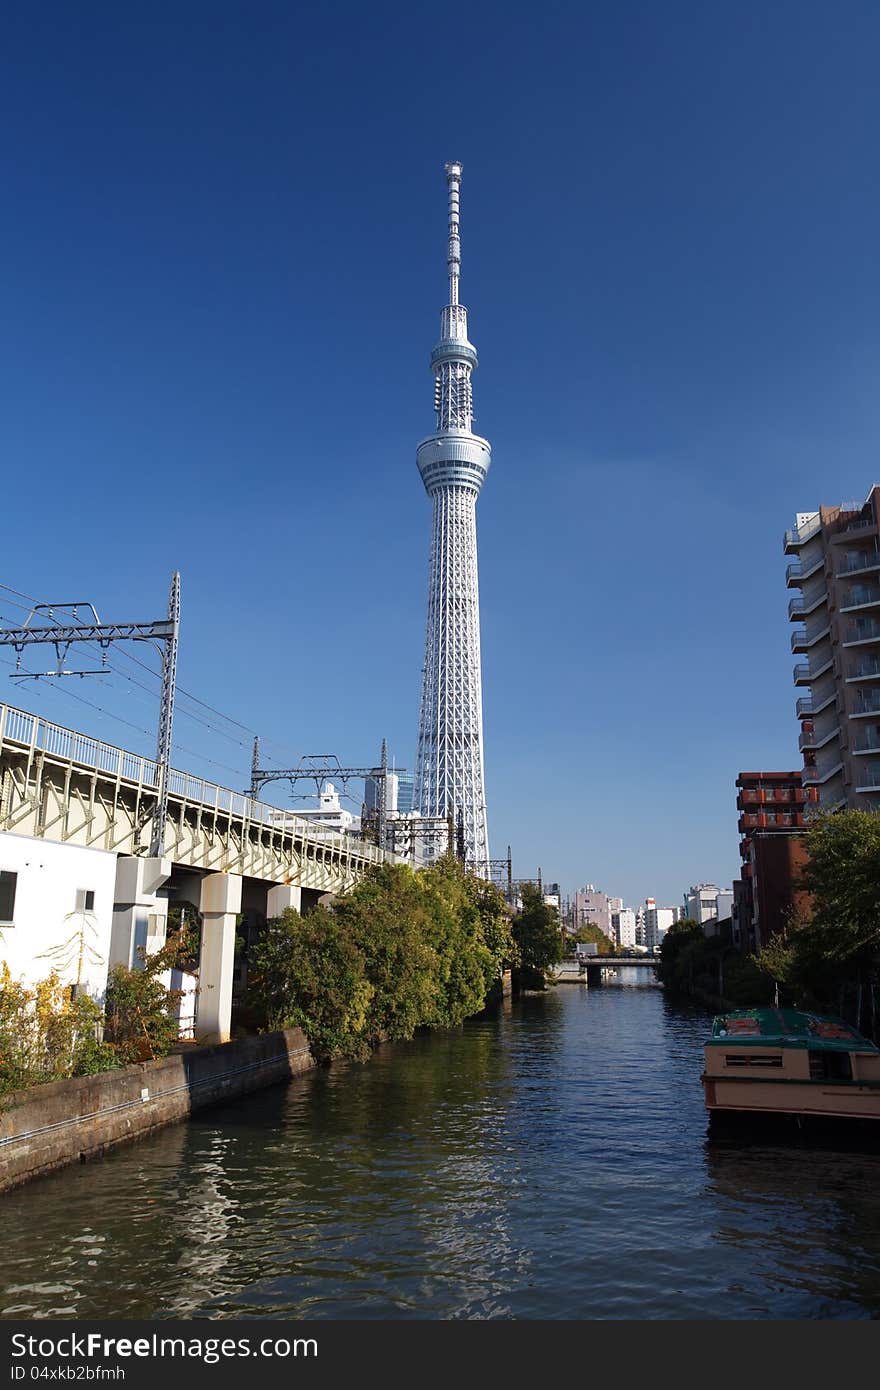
point(548, 1161)
point(804, 1214)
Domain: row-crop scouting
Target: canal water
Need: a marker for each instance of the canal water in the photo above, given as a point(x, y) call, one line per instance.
point(550, 1161)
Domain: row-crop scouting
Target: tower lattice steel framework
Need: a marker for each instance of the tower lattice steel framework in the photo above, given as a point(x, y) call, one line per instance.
point(453, 463)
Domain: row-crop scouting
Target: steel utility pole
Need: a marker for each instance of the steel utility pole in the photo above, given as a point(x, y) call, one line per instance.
point(319, 767)
point(62, 636)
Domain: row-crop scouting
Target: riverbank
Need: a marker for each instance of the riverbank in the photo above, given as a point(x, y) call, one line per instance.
point(47, 1127)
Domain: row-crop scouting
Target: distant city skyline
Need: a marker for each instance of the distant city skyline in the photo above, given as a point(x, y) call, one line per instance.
point(215, 342)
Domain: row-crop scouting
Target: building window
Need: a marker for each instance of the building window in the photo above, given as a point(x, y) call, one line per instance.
point(85, 900)
point(754, 1059)
point(8, 882)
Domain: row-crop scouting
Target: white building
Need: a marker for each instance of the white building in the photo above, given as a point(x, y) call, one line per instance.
point(56, 911)
point(724, 904)
point(623, 923)
point(657, 921)
point(373, 793)
point(329, 813)
point(705, 900)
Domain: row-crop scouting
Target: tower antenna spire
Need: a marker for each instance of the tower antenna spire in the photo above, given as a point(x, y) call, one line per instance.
point(453, 257)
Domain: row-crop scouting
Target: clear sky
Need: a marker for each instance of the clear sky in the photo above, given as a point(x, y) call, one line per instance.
point(223, 248)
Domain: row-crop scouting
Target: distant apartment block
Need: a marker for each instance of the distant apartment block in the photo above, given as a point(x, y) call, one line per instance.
point(592, 908)
point(772, 807)
point(701, 902)
point(836, 575)
point(623, 926)
point(656, 922)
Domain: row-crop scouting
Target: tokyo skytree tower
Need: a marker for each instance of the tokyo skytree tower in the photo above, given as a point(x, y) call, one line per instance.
point(453, 463)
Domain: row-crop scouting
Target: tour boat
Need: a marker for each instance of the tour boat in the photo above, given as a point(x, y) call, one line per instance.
point(777, 1062)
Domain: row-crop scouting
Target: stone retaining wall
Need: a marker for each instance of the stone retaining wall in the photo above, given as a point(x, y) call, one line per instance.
point(48, 1126)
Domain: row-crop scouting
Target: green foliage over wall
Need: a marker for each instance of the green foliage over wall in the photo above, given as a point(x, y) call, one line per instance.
point(46, 1034)
point(710, 969)
point(537, 934)
point(404, 950)
point(829, 958)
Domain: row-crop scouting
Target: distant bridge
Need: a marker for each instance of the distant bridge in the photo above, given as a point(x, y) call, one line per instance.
point(592, 968)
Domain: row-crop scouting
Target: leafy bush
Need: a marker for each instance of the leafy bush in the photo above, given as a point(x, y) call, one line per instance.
point(828, 957)
point(536, 934)
point(46, 1034)
point(403, 950)
point(140, 1020)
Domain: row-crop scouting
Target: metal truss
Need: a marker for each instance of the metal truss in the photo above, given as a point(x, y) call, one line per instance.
point(62, 636)
point(436, 835)
point(453, 463)
point(321, 767)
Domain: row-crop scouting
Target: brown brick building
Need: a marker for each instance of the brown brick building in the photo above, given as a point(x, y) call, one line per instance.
point(772, 808)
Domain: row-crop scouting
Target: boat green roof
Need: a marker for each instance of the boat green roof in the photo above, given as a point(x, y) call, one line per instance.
point(788, 1028)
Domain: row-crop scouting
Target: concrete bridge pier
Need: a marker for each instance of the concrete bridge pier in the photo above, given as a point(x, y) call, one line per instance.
point(140, 916)
point(280, 898)
point(219, 905)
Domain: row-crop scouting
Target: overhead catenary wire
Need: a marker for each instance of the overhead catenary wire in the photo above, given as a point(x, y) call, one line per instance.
point(31, 601)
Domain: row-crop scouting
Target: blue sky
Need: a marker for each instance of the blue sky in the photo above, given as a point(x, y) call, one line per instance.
point(223, 264)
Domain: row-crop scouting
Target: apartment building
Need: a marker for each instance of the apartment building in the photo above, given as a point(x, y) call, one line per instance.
point(773, 808)
point(656, 922)
point(592, 907)
point(837, 609)
point(701, 902)
point(623, 925)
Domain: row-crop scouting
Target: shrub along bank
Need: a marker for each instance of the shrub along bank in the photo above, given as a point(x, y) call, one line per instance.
point(403, 950)
point(50, 1032)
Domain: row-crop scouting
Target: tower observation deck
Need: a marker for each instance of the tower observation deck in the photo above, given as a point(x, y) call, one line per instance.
point(453, 462)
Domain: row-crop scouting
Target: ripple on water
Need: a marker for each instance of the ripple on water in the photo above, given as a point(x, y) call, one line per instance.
point(549, 1162)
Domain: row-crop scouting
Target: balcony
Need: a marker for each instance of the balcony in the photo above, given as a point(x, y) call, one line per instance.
point(796, 573)
point(799, 535)
point(771, 820)
point(862, 630)
point(810, 739)
point(861, 523)
point(869, 778)
point(802, 640)
point(865, 670)
point(859, 564)
point(806, 706)
point(769, 796)
point(861, 596)
point(799, 607)
point(815, 776)
point(868, 743)
point(865, 708)
point(805, 674)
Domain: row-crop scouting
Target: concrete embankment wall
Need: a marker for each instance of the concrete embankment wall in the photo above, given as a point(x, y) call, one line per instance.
point(66, 1121)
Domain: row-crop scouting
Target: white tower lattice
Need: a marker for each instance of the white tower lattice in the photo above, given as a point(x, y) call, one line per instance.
point(453, 463)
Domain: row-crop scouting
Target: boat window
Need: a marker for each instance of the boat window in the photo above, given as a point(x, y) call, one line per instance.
point(753, 1059)
point(830, 1066)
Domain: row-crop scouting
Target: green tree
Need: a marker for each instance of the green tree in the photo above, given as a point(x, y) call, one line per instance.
point(535, 932)
point(387, 918)
point(829, 957)
point(139, 1010)
point(678, 953)
point(307, 972)
point(589, 932)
